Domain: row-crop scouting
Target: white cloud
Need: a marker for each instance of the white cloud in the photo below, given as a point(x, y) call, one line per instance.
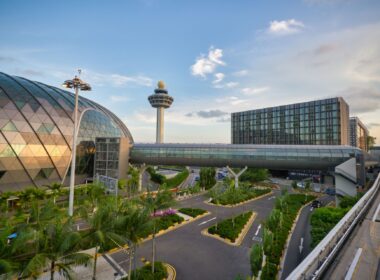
point(115, 80)
point(253, 91)
point(240, 73)
point(207, 65)
point(285, 27)
point(218, 78)
point(226, 85)
point(232, 100)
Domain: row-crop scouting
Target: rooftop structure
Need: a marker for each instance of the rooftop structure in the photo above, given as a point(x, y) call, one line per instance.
point(160, 100)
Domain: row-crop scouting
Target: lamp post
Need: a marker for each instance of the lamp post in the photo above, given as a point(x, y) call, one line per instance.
point(77, 84)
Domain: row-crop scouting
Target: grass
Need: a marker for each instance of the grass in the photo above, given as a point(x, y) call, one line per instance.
point(233, 195)
point(231, 228)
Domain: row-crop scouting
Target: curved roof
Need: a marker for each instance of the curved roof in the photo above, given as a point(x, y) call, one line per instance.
point(36, 127)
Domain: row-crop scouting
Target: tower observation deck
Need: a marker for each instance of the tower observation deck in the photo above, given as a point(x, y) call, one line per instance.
point(160, 100)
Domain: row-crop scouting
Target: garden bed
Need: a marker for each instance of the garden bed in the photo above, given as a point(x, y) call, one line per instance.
point(233, 196)
point(231, 228)
point(145, 272)
point(192, 212)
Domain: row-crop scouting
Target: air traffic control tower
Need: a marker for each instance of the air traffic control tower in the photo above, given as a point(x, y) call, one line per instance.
point(160, 100)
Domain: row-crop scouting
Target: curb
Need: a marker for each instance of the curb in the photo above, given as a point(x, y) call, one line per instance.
point(241, 236)
point(240, 203)
point(171, 271)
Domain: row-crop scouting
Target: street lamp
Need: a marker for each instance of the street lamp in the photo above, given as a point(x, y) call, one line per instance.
point(77, 84)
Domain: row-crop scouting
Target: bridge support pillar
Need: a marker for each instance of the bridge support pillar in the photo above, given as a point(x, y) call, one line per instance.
point(236, 176)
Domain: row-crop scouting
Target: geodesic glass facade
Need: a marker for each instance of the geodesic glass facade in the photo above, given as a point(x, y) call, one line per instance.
point(36, 127)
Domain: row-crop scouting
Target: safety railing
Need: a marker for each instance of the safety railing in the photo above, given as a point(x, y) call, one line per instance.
point(315, 264)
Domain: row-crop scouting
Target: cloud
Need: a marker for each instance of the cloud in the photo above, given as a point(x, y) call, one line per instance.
point(285, 27)
point(207, 114)
point(231, 100)
point(224, 119)
point(8, 59)
point(240, 73)
point(252, 91)
point(362, 100)
point(207, 65)
point(115, 80)
point(218, 78)
point(226, 85)
point(323, 49)
point(31, 72)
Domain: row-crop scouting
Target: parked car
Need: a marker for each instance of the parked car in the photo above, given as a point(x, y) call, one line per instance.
point(197, 178)
point(316, 204)
point(330, 191)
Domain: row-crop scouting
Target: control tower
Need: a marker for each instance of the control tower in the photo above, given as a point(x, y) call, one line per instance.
point(160, 100)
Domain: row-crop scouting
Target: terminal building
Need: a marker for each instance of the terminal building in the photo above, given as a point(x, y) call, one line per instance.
point(321, 122)
point(358, 134)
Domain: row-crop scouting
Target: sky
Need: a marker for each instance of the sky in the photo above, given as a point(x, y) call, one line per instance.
point(216, 57)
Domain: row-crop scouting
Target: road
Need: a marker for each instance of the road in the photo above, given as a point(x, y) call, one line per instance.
point(300, 241)
point(196, 256)
point(364, 243)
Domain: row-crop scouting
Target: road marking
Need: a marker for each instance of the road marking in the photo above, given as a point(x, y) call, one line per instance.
point(376, 213)
point(353, 265)
point(258, 230)
point(256, 238)
point(301, 245)
point(271, 197)
point(206, 221)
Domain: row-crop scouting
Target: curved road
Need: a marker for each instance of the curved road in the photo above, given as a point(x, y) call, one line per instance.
point(195, 256)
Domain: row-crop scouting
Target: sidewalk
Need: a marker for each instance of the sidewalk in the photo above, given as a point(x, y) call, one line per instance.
point(104, 270)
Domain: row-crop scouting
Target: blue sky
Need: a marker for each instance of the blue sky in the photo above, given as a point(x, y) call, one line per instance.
point(216, 57)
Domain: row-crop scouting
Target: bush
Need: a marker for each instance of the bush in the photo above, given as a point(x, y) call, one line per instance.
point(154, 176)
point(256, 258)
point(230, 228)
point(192, 212)
point(145, 272)
point(207, 177)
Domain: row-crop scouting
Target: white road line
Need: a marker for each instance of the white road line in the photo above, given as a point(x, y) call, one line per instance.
point(206, 221)
point(376, 213)
point(258, 230)
point(353, 265)
point(301, 245)
point(271, 197)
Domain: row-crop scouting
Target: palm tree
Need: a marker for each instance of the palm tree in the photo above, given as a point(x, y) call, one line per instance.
point(57, 248)
point(56, 190)
point(161, 200)
point(7, 264)
point(102, 223)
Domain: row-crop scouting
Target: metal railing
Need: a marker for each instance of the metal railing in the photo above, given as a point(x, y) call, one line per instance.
point(315, 264)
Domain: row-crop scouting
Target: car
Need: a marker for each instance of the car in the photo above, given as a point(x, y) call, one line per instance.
point(197, 178)
point(330, 191)
point(300, 185)
point(316, 204)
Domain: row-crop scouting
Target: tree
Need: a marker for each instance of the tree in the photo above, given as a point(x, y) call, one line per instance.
point(161, 200)
point(256, 258)
point(207, 177)
point(133, 224)
point(102, 228)
point(254, 175)
point(267, 241)
point(57, 249)
point(56, 190)
point(371, 141)
point(294, 185)
point(30, 195)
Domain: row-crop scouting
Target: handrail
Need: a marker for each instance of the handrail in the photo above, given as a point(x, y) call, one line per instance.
point(313, 266)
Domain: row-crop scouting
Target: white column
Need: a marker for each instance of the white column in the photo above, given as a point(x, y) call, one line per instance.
point(160, 125)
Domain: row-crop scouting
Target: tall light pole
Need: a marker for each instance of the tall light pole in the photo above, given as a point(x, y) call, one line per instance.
point(77, 84)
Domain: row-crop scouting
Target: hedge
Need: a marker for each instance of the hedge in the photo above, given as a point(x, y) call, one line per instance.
point(192, 212)
point(236, 195)
point(177, 179)
point(145, 272)
point(232, 227)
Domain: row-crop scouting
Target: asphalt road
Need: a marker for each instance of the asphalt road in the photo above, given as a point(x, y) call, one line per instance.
point(296, 252)
point(195, 256)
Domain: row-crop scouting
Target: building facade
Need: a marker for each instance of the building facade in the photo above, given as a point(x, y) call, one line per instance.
point(321, 122)
point(358, 134)
point(36, 132)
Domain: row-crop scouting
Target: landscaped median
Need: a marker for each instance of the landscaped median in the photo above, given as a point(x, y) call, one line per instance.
point(232, 197)
point(233, 230)
point(277, 228)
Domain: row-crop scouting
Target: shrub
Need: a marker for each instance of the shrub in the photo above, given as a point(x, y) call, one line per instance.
point(177, 179)
point(207, 177)
point(192, 212)
point(234, 195)
point(230, 228)
point(145, 272)
point(254, 175)
point(256, 258)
